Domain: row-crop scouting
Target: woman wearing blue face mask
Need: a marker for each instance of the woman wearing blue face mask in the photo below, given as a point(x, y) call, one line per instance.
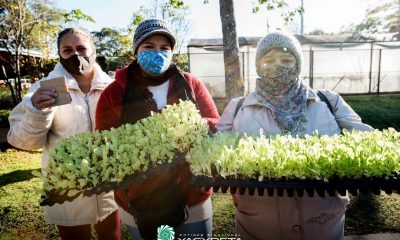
point(148, 84)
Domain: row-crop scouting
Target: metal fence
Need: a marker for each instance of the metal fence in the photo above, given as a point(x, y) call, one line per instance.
point(348, 69)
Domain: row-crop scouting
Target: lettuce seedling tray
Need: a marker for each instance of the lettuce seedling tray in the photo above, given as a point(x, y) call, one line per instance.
point(61, 195)
point(332, 187)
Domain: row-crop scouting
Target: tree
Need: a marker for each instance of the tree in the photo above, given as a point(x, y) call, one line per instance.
point(76, 15)
point(25, 25)
point(111, 42)
point(234, 85)
point(318, 32)
point(174, 12)
point(388, 13)
point(369, 25)
point(288, 13)
point(114, 46)
point(382, 18)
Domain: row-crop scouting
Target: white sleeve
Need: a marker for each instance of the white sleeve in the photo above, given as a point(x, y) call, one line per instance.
point(28, 125)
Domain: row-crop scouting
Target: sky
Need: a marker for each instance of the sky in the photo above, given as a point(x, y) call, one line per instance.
point(328, 15)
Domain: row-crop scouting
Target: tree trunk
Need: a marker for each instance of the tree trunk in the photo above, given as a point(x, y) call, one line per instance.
point(234, 85)
point(8, 83)
point(17, 84)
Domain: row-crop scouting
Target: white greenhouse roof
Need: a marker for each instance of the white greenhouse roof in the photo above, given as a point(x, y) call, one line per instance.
point(32, 53)
point(306, 39)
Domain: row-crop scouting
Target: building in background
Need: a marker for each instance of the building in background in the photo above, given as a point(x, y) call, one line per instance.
point(348, 64)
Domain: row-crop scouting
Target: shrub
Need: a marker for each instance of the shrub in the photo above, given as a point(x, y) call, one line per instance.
point(4, 118)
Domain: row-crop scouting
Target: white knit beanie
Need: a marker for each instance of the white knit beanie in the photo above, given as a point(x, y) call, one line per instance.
point(279, 39)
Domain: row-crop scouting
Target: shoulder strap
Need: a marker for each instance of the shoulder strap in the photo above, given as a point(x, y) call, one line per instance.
point(238, 106)
point(323, 98)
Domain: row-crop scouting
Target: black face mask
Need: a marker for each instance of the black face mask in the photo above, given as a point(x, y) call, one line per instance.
point(78, 65)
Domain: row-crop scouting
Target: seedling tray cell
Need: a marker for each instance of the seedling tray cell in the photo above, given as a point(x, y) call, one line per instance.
point(332, 187)
point(58, 196)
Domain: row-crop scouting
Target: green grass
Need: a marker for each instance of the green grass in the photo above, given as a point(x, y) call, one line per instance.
point(366, 214)
point(21, 217)
point(379, 111)
point(224, 214)
point(20, 214)
point(373, 214)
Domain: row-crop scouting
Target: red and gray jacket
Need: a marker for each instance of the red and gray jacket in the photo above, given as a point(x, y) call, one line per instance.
point(108, 115)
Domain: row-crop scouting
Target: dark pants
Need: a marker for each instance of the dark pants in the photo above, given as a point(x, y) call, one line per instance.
point(108, 229)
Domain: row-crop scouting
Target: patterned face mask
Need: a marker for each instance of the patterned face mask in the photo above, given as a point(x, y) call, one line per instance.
point(277, 77)
point(155, 62)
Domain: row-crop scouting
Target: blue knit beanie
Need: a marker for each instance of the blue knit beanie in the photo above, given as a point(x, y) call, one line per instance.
point(150, 27)
point(281, 40)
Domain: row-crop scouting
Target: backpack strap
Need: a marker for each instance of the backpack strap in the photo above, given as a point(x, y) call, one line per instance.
point(323, 98)
point(238, 106)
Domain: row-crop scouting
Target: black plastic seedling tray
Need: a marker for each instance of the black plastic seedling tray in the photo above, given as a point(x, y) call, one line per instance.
point(54, 197)
point(332, 187)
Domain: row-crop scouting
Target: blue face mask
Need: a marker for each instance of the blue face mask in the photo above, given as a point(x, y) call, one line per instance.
point(154, 61)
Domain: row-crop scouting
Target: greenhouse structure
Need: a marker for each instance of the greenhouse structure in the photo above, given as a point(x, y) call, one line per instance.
point(348, 64)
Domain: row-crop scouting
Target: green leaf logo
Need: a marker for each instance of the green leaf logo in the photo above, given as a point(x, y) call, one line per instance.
point(165, 232)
